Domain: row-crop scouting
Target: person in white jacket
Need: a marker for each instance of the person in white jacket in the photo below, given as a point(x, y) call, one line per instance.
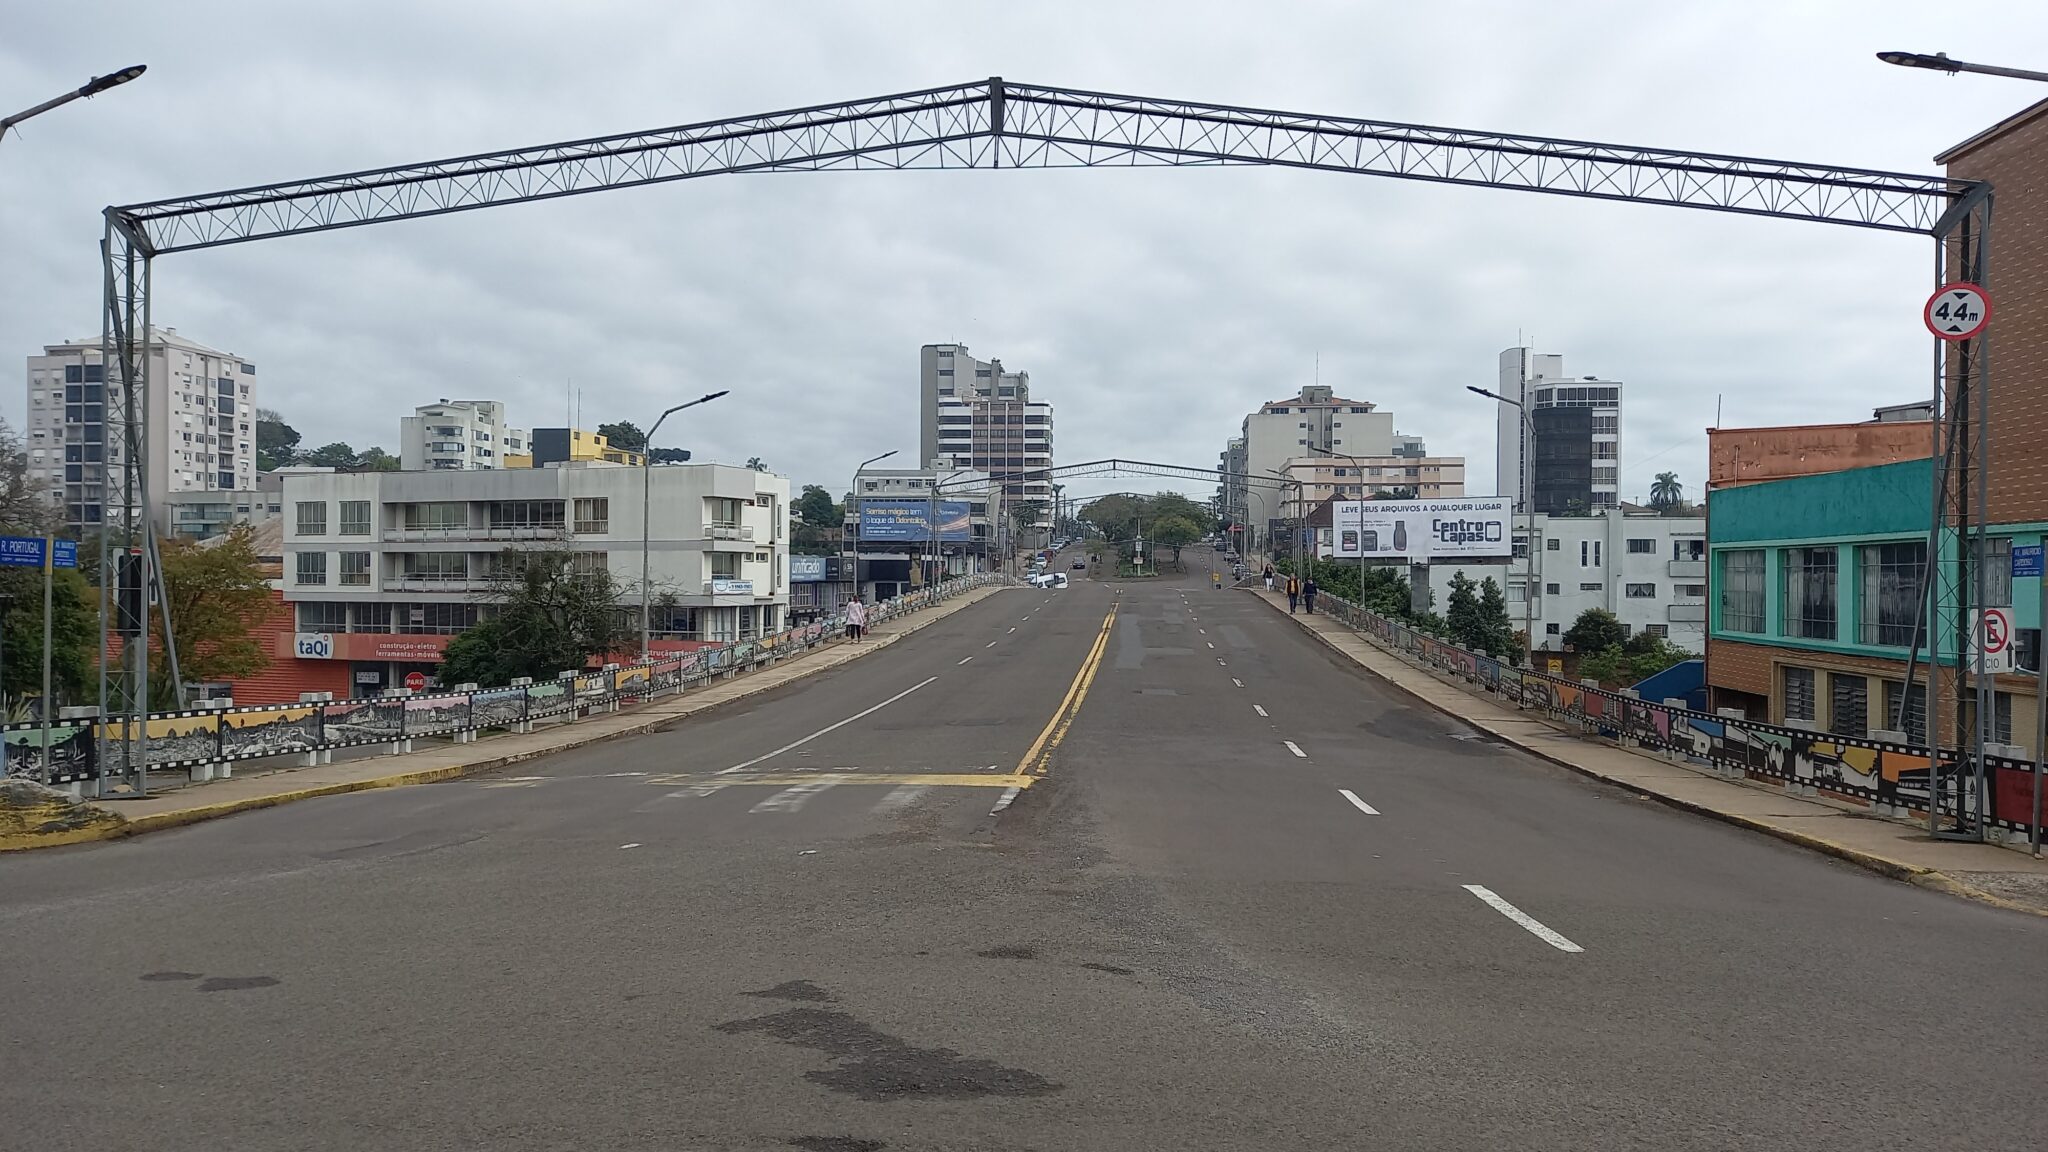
point(856, 618)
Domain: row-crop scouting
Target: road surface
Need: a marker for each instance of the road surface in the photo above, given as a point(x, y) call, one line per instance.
point(1256, 901)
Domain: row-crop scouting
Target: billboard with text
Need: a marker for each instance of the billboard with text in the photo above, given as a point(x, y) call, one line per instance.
point(1460, 527)
point(910, 519)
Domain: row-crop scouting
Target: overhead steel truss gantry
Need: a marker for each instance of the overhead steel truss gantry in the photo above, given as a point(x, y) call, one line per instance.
point(996, 123)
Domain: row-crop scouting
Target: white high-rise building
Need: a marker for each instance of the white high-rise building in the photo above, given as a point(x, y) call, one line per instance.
point(200, 422)
point(977, 414)
point(460, 435)
point(1578, 430)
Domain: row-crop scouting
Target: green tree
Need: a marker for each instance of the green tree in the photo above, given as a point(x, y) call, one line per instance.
point(74, 631)
point(216, 591)
point(549, 615)
point(1596, 630)
point(376, 460)
point(1666, 494)
point(1461, 616)
point(1024, 514)
point(337, 455)
point(1176, 532)
point(1501, 634)
point(755, 463)
point(815, 507)
point(277, 442)
point(1398, 492)
point(624, 434)
point(1115, 516)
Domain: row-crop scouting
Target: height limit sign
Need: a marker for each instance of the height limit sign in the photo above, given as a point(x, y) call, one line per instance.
point(1958, 311)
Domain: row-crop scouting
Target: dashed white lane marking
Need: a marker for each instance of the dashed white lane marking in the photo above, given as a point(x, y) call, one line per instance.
point(1003, 801)
point(990, 644)
point(1361, 805)
point(900, 797)
point(1260, 710)
point(1211, 643)
point(1236, 681)
point(1013, 628)
point(1203, 631)
point(1220, 663)
point(800, 742)
point(634, 844)
point(962, 660)
point(1295, 748)
point(793, 797)
point(1023, 619)
point(616, 775)
point(1535, 927)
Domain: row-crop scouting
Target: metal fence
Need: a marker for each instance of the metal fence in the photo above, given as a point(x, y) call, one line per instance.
point(193, 738)
point(1890, 778)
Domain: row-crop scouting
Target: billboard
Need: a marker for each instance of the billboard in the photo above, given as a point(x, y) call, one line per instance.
point(911, 520)
point(1463, 527)
point(808, 569)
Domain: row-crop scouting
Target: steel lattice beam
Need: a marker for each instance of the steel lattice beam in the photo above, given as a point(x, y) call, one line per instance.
point(994, 124)
point(1115, 467)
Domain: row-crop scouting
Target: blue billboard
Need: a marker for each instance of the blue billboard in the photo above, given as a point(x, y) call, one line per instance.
point(809, 569)
point(882, 520)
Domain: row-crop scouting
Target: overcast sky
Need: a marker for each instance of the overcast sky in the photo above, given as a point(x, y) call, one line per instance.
point(1152, 307)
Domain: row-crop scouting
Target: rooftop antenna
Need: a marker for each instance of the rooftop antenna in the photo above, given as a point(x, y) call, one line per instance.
point(1717, 409)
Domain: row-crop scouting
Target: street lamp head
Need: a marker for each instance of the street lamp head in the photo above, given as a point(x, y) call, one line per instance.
point(1939, 61)
point(712, 396)
point(99, 84)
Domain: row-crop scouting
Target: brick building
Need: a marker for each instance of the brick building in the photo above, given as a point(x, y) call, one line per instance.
point(1818, 535)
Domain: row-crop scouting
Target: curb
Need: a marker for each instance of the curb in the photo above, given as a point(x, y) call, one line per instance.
point(1929, 878)
point(126, 827)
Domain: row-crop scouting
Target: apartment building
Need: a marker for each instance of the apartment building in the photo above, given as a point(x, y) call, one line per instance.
point(1321, 478)
point(1010, 440)
point(948, 373)
point(1314, 422)
point(1577, 425)
point(381, 568)
point(460, 435)
point(200, 431)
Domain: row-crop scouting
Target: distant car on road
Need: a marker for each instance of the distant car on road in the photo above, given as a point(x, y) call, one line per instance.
point(1079, 564)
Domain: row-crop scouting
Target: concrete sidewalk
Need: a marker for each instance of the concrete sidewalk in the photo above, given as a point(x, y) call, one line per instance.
point(1995, 875)
point(243, 793)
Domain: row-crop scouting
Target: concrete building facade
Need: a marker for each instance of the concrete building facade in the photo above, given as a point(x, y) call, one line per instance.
point(459, 435)
point(388, 565)
point(200, 427)
point(1313, 422)
point(1577, 461)
point(889, 567)
point(1319, 478)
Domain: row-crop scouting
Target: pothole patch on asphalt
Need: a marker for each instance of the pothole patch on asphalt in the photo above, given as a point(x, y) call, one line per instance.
point(878, 1067)
point(1009, 952)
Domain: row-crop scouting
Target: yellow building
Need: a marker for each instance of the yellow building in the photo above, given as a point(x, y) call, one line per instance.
point(562, 445)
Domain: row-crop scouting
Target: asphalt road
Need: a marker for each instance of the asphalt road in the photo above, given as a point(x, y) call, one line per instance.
point(1257, 901)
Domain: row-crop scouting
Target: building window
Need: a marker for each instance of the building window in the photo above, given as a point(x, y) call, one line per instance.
point(355, 518)
point(1892, 574)
point(323, 617)
point(1809, 596)
point(1553, 544)
point(1552, 589)
point(1914, 722)
point(435, 567)
point(1689, 591)
point(1657, 629)
point(1742, 591)
point(1550, 629)
point(311, 567)
point(593, 514)
point(2001, 712)
point(440, 517)
point(312, 517)
point(1639, 546)
point(1847, 706)
point(543, 515)
point(1585, 552)
point(590, 563)
point(1799, 697)
point(1997, 573)
point(355, 568)
point(438, 619)
point(1640, 591)
point(1692, 548)
point(1594, 586)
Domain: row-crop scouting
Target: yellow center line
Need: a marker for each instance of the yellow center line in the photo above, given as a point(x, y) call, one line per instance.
point(786, 779)
point(1039, 757)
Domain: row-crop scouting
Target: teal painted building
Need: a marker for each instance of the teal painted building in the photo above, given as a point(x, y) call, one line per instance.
point(1815, 600)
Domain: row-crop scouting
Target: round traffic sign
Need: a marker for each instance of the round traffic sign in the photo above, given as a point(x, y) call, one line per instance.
point(1997, 632)
point(415, 681)
point(1957, 311)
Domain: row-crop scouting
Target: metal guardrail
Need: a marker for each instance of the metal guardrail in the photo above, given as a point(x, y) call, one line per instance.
point(1891, 778)
point(193, 738)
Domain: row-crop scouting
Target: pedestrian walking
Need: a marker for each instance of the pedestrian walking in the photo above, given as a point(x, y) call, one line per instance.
point(1269, 577)
point(856, 618)
point(1308, 595)
point(1293, 594)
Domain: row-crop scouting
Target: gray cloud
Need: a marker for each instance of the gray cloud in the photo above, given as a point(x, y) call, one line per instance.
point(1153, 307)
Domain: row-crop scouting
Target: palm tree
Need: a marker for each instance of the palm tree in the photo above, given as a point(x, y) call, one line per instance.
point(754, 462)
point(1667, 492)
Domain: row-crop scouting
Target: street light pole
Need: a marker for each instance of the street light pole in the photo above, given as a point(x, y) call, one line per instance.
point(646, 521)
point(1528, 502)
point(90, 88)
point(1941, 63)
point(853, 506)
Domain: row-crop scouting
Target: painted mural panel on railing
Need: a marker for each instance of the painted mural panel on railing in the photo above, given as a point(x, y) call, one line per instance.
point(247, 733)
